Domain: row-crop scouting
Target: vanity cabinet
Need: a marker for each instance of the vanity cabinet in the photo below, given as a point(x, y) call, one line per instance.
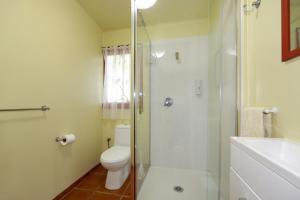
point(264, 169)
point(239, 189)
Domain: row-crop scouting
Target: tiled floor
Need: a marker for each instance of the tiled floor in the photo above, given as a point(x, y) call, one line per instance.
point(92, 188)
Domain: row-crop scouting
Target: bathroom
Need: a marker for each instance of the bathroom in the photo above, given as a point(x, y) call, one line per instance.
point(149, 99)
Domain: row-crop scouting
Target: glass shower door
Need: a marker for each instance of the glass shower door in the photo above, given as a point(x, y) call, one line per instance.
point(142, 102)
point(222, 117)
point(171, 123)
point(172, 130)
point(183, 129)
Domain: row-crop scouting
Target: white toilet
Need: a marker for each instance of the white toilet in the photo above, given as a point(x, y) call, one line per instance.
point(117, 158)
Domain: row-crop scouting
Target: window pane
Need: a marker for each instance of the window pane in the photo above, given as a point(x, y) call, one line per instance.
point(117, 77)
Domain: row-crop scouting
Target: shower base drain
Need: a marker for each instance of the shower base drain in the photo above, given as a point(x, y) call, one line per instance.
point(178, 189)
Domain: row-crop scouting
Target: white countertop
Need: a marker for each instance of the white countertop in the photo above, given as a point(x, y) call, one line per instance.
point(280, 155)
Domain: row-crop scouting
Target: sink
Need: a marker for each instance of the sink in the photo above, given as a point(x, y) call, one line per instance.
point(279, 155)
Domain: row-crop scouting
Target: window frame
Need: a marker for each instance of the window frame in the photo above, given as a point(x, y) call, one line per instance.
point(122, 105)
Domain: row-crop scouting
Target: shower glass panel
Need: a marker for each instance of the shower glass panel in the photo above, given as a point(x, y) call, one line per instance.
point(142, 107)
point(222, 95)
point(178, 107)
point(185, 57)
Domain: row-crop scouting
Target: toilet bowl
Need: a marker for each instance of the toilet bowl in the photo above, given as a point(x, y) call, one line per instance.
point(117, 159)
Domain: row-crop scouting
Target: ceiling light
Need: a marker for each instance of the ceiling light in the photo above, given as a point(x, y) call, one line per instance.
point(144, 4)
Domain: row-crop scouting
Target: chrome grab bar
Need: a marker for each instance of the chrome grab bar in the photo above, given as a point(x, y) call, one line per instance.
point(42, 108)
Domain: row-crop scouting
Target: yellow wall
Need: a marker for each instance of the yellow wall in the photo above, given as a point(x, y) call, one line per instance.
point(268, 81)
point(108, 131)
point(49, 54)
point(116, 37)
point(158, 32)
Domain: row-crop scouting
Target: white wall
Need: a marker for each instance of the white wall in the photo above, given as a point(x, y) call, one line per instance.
point(178, 133)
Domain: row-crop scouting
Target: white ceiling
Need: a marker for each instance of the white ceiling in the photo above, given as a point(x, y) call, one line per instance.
point(115, 14)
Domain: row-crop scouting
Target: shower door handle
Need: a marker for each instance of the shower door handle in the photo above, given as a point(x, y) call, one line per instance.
point(168, 102)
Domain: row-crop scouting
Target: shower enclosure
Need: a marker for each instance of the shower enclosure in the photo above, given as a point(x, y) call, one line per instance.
point(185, 95)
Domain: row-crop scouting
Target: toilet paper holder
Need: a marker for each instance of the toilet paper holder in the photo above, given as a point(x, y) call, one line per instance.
point(65, 140)
point(60, 139)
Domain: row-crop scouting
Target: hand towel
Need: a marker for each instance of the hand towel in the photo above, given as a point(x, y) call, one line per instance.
point(268, 124)
point(254, 123)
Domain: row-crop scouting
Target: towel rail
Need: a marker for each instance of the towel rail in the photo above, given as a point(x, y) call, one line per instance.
point(42, 108)
point(271, 111)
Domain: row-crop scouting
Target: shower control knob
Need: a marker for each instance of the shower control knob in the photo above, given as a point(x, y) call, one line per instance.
point(168, 102)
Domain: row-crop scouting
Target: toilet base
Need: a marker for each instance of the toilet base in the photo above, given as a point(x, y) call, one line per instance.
point(115, 179)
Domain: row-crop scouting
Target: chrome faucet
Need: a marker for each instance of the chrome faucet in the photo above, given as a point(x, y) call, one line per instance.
point(168, 102)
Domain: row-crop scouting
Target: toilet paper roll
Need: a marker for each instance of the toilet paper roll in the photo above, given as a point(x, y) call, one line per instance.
point(68, 139)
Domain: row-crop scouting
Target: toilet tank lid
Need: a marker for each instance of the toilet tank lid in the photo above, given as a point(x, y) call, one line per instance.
point(123, 126)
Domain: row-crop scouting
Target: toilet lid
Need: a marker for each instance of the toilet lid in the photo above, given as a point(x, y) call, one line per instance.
point(116, 154)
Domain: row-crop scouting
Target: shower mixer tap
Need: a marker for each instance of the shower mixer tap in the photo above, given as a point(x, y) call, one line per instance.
point(168, 102)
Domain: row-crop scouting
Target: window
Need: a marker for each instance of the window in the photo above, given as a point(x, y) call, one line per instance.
point(116, 77)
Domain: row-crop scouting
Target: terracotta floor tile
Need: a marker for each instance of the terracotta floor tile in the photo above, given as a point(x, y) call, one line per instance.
point(119, 191)
point(78, 195)
point(92, 187)
point(128, 191)
point(91, 182)
point(127, 198)
point(102, 196)
point(100, 170)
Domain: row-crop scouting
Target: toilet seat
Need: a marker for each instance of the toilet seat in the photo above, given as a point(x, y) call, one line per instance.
point(116, 155)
